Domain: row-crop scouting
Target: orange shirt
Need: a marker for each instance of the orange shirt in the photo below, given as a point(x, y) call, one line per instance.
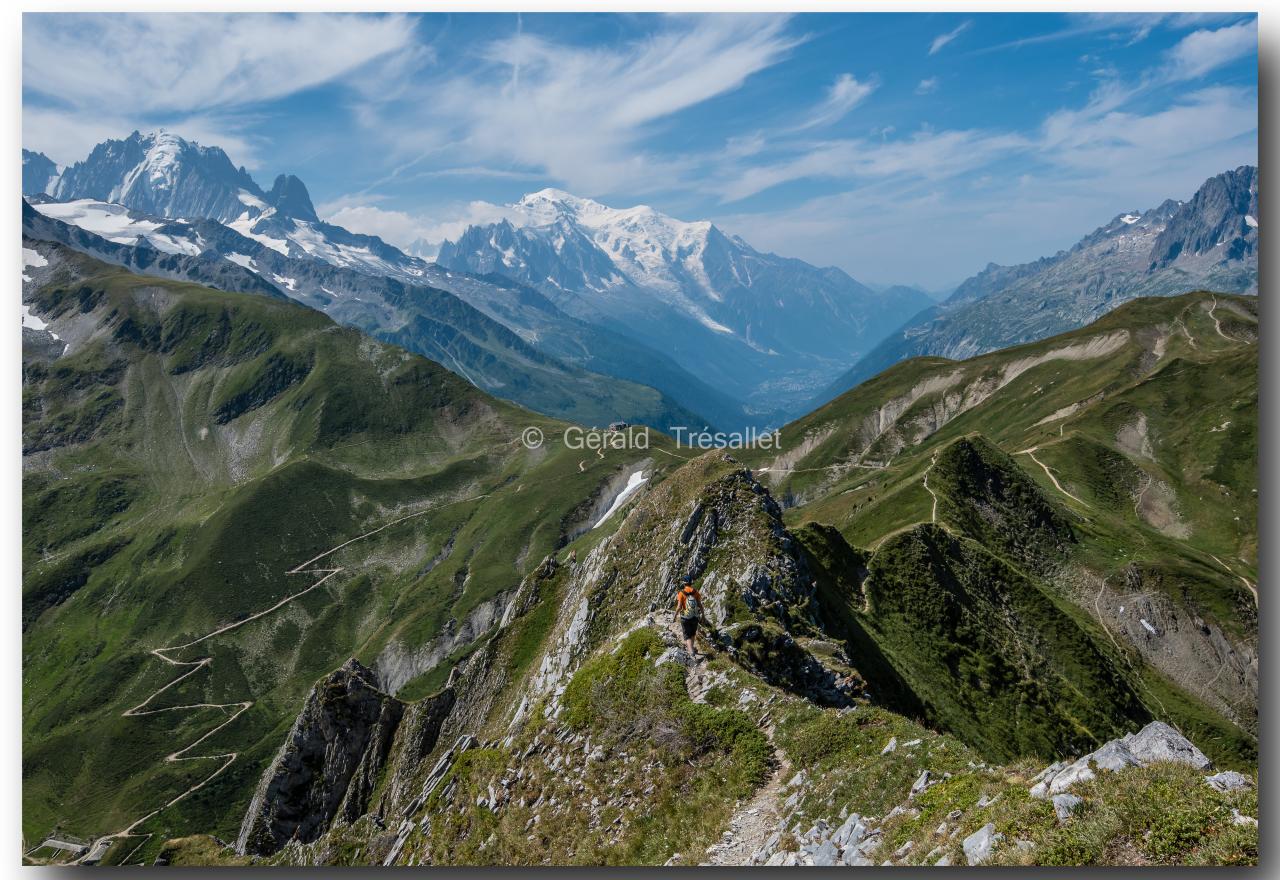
point(680, 598)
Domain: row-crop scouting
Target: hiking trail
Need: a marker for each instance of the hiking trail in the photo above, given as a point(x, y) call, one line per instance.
point(102, 843)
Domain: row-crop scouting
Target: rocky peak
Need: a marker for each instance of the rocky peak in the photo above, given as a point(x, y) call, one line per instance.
point(328, 764)
point(163, 174)
point(1221, 217)
point(38, 173)
point(290, 198)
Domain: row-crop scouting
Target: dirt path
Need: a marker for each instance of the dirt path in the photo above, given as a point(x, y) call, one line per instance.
point(754, 821)
point(235, 710)
point(1032, 453)
point(933, 515)
point(1248, 583)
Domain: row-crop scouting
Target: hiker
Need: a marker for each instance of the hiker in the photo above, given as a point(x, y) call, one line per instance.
point(689, 611)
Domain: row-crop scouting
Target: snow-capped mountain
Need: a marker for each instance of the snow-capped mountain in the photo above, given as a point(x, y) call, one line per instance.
point(1208, 242)
point(162, 175)
point(362, 281)
point(762, 325)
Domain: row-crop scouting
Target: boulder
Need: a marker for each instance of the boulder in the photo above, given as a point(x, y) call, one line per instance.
point(825, 855)
point(1155, 742)
point(979, 845)
point(1160, 742)
point(1228, 780)
point(1065, 804)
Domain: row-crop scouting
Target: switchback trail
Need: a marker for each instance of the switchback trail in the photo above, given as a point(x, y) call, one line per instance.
point(235, 710)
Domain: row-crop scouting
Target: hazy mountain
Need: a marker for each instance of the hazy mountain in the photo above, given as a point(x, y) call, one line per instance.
point(184, 198)
point(423, 319)
point(763, 327)
point(1209, 242)
point(38, 172)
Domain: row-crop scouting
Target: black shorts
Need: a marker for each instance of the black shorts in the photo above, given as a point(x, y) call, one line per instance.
point(689, 626)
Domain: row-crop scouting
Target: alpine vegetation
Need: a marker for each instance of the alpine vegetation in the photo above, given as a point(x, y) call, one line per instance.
point(479, 511)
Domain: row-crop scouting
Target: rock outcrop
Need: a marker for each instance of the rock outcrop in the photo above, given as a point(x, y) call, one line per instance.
point(1155, 742)
point(328, 765)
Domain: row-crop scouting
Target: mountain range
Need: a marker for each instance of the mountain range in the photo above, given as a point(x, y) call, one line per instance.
point(726, 332)
point(295, 592)
point(378, 630)
point(760, 326)
point(1208, 242)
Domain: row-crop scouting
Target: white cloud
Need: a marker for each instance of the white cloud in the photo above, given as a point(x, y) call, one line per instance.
point(1202, 51)
point(172, 62)
point(1072, 175)
point(404, 229)
point(579, 115)
point(927, 86)
point(843, 95)
point(67, 137)
point(942, 40)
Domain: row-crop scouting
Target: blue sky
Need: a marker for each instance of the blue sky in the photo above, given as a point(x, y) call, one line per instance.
point(901, 147)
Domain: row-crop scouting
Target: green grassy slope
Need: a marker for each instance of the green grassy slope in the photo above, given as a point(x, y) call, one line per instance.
point(191, 450)
point(1104, 476)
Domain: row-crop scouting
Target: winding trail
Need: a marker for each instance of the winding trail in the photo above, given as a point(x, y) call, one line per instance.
point(1032, 453)
point(235, 710)
point(933, 515)
point(1248, 583)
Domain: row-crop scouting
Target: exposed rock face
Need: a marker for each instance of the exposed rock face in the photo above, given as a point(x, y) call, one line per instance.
point(161, 173)
point(1155, 742)
point(328, 765)
point(38, 172)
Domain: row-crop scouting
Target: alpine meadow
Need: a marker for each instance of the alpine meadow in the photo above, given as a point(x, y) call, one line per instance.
point(823, 439)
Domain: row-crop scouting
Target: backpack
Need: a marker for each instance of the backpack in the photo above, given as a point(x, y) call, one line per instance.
point(692, 607)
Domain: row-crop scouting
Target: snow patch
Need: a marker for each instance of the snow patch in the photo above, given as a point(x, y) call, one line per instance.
point(634, 482)
point(1251, 220)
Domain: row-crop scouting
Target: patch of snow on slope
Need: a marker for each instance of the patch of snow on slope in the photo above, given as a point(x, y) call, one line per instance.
point(244, 225)
point(33, 321)
point(1251, 220)
point(116, 223)
point(31, 260)
point(242, 260)
point(634, 482)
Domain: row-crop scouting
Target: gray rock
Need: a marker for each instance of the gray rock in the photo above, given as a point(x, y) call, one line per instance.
point(921, 783)
point(826, 854)
point(1065, 804)
point(679, 656)
point(979, 845)
point(851, 832)
point(1155, 742)
point(328, 765)
point(1228, 780)
point(890, 745)
point(944, 862)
